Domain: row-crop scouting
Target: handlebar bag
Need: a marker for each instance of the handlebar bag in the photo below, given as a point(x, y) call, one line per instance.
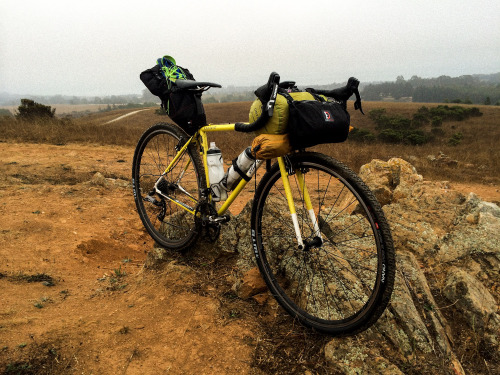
point(184, 107)
point(313, 122)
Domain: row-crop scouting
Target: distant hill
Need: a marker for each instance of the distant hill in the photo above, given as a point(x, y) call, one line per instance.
point(475, 88)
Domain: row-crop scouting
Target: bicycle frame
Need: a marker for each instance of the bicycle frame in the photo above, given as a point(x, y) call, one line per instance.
point(202, 135)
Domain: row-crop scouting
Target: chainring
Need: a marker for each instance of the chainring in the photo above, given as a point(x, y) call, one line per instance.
point(208, 229)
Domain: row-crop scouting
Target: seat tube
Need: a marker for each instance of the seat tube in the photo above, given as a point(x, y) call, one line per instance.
point(309, 206)
point(204, 146)
point(291, 204)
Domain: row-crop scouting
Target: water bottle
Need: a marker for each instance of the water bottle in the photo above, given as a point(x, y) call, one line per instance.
point(246, 163)
point(215, 172)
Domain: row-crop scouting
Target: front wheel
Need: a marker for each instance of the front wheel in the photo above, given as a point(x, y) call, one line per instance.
point(340, 280)
point(167, 204)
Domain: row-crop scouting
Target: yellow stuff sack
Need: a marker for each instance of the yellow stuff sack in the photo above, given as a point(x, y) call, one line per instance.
point(268, 146)
point(278, 123)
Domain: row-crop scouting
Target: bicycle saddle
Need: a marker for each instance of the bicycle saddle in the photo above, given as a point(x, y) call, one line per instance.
point(186, 84)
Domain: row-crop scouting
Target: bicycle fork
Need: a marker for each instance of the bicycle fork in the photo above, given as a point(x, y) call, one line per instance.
point(317, 239)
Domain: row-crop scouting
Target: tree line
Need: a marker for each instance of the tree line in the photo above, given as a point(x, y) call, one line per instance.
point(468, 89)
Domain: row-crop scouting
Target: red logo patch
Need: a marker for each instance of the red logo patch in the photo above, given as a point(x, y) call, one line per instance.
point(328, 116)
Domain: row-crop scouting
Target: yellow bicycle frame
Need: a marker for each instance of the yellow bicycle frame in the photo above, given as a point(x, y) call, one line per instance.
point(241, 185)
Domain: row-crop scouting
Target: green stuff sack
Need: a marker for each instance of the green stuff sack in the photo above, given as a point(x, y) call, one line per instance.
point(278, 123)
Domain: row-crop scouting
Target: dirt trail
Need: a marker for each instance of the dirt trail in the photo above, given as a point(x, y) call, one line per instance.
point(126, 115)
point(104, 313)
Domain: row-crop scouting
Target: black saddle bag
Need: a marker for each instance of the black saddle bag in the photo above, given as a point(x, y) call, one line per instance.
point(184, 107)
point(314, 122)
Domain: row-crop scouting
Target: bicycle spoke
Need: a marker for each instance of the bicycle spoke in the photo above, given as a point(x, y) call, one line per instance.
point(167, 213)
point(331, 282)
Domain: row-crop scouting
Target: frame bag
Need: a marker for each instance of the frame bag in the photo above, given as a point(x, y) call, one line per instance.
point(313, 122)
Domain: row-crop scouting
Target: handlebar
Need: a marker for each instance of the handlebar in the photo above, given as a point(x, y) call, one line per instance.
point(268, 92)
point(343, 93)
point(267, 95)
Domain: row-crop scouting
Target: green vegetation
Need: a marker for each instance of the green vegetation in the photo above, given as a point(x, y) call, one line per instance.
point(31, 110)
point(467, 89)
point(404, 130)
point(456, 139)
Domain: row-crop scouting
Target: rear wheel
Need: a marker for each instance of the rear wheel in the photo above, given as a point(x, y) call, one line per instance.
point(167, 210)
point(341, 280)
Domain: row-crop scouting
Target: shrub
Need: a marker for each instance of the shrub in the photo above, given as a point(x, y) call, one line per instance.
point(455, 139)
point(455, 113)
point(30, 110)
point(416, 137)
point(391, 136)
point(375, 114)
point(419, 119)
point(437, 121)
point(361, 135)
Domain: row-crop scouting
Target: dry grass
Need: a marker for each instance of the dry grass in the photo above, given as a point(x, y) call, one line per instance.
point(478, 154)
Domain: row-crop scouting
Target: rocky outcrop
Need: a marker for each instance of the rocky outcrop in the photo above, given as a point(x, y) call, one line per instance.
point(443, 316)
point(445, 302)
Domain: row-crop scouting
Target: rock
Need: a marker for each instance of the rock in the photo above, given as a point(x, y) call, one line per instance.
point(348, 357)
point(476, 231)
point(384, 178)
point(251, 284)
point(470, 297)
point(98, 180)
point(445, 160)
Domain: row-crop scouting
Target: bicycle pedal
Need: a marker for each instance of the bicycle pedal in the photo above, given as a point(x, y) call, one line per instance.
point(219, 219)
point(224, 218)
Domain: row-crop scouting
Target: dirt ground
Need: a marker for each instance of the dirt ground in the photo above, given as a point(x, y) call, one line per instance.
point(74, 295)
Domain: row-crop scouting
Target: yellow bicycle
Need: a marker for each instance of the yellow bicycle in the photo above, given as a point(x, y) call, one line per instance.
point(320, 238)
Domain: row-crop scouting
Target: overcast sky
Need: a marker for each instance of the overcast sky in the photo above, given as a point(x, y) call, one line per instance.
point(100, 47)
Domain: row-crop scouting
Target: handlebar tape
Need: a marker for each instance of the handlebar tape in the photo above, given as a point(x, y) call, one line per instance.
point(267, 95)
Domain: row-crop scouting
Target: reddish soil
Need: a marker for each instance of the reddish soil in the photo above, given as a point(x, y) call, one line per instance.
point(104, 314)
point(72, 283)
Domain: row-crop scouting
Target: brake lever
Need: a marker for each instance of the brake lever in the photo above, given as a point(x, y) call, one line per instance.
point(274, 80)
point(353, 84)
point(357, 103)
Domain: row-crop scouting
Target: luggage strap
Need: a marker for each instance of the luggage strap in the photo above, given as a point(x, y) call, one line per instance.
point(239, 171)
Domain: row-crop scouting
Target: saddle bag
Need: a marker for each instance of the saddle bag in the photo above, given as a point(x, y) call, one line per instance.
point(184, 107)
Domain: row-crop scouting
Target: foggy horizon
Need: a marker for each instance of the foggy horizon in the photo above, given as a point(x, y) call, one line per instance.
point(100, 48)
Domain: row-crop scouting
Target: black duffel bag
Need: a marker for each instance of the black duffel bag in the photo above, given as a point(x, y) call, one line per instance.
point(314, 122)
